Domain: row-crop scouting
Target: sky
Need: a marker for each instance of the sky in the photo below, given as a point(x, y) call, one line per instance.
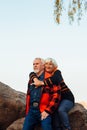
point(28, 30)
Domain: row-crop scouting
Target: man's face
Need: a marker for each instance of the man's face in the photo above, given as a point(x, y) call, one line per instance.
point(38, 66)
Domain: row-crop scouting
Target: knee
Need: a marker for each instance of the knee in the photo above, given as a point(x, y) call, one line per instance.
point(60, 110)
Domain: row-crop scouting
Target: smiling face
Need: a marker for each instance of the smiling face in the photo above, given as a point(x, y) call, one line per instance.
point(49, 67)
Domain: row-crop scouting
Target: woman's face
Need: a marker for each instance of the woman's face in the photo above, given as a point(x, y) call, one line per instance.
point(49, 67)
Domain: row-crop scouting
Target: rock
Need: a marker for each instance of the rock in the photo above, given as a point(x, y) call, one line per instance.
point(16, 125)
point(84, 104)
point(12, 111)
point(12, 105)
point(78, 117)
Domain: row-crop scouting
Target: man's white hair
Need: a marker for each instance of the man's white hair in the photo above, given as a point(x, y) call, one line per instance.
point(51, 60)
point(41, 59)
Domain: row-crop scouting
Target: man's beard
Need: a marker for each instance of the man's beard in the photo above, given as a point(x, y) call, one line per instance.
point(36, 71)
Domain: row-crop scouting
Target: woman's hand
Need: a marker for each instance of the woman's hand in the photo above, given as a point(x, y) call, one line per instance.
point(37, 82)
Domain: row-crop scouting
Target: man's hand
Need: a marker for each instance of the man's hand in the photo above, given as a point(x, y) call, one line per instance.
point(44, 115)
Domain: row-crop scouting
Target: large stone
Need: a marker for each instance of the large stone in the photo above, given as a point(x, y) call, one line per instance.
point(77, 116)
point(12, 111)
point(16, 125)
point(12, 105)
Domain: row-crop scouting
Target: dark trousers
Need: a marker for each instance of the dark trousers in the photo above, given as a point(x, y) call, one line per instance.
point(60, 117)
point(34, 117)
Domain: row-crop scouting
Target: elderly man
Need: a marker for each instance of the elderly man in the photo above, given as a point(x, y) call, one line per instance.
point(41, 101)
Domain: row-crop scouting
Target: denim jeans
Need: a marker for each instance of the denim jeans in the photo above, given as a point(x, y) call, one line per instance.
point(60, 117)
point(33, 118)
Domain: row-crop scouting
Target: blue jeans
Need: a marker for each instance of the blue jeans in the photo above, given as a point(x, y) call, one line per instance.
point(60, 117)
point(34, 117)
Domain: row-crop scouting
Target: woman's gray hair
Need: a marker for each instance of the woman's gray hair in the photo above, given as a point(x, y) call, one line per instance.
point(51, 60)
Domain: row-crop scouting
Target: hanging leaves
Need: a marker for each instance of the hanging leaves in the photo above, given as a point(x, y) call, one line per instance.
point(76, 9)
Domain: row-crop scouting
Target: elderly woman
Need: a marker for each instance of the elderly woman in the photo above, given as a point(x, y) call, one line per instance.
point(60, 118)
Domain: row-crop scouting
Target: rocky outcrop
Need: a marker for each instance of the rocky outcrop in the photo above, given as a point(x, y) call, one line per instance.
point(78, 117)
point(16, 125)
point(83, 103)
point(12, 111)
point(12, 105)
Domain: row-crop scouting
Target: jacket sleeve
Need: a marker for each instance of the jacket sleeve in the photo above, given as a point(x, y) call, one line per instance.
point(27, 103)
point(55, 99)
point(32, 75)
point(55, 79)
point(27, 100)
